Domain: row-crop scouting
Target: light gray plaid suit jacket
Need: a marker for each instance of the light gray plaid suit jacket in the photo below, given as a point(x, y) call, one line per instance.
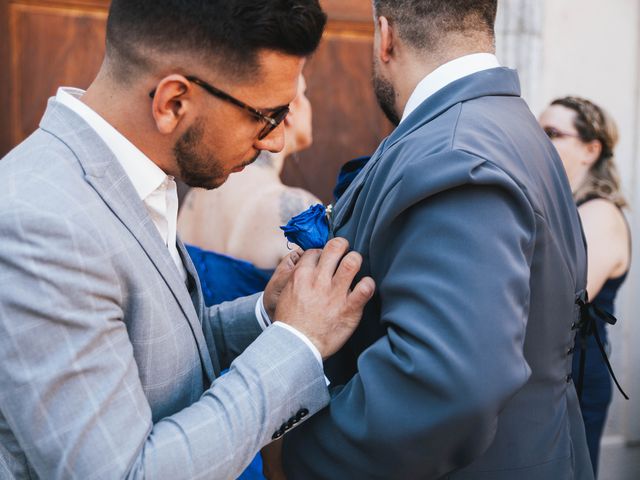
point(108, 362)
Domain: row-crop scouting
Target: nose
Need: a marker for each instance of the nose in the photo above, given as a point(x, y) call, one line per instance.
point(274, 142)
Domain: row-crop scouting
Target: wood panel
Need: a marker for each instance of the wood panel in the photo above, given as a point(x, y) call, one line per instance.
point(346, 119)
point(48, 43)
point(359, 11)
point(5, 79)
point(50, 46)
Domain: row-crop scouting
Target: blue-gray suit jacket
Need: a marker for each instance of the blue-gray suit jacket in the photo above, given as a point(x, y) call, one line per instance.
point(108, 361)
point(459, 369)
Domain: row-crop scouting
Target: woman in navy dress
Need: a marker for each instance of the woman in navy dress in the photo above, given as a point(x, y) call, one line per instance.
point(585, 137)
point(233, 233)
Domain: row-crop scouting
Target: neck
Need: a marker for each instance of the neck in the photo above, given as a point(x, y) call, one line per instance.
point(412, 66)
point(578, 180)
point(124, 110)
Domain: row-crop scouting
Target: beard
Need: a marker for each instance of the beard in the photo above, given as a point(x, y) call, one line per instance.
point(385, 95)
point(197, 167)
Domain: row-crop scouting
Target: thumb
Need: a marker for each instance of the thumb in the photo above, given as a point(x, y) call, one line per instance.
point(288, 263)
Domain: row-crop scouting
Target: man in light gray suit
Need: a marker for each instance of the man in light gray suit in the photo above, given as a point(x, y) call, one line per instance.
point(464, 217)
point(109, 362)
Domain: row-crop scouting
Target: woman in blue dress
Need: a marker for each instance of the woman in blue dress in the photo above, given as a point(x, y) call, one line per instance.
point(585, 137)
point(233, 232)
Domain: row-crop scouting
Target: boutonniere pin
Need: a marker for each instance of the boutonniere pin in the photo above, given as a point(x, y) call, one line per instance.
point(311, 228)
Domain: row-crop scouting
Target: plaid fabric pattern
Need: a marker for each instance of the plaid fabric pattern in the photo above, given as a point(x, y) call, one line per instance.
point(108, 365)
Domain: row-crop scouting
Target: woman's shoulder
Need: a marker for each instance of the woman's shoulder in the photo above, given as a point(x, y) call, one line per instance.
point(283, 202)
point(606, 228)
point(604, 211)
point(255, 235)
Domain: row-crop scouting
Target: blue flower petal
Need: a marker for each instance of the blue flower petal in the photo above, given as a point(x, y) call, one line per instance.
point(310, 229)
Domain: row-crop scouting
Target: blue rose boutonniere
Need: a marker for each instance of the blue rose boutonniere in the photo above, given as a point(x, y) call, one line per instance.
point(311, 228)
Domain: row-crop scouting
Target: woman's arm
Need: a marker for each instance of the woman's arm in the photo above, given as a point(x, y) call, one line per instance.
point(607, 237)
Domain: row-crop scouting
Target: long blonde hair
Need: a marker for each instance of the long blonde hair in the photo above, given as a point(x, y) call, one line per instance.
point(594, 123)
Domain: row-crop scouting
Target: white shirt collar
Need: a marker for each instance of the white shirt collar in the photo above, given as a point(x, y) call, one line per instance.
point(156, 189)
point(446, 74)
point(145, 175)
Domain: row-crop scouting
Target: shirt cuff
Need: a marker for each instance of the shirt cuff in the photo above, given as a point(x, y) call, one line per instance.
point(261, 313)
point(264, 321)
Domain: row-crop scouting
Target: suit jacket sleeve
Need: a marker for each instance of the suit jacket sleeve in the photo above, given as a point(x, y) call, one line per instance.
point(452, 266)
point(70, 395)
point(230, 328)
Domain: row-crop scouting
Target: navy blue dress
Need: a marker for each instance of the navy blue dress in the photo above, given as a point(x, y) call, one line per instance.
point(597, 384)
point(225, 278)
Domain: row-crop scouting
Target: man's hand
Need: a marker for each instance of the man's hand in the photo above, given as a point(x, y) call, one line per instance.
point(317, 299)
point(278, 280)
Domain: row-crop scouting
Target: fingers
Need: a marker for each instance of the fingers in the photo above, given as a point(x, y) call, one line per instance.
point(296, 254)
point(347, 270)
point(292, 258)
point(288, 263)
point(361, 294)
point(309, 259)
point(333, 251)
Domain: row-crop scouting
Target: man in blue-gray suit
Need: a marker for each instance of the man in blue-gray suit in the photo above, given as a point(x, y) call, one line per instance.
point(461, 365)
point(109, 362)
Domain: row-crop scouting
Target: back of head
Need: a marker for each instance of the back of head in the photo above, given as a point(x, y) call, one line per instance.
point(423, 24)
point(224, 34)
point(594, 123)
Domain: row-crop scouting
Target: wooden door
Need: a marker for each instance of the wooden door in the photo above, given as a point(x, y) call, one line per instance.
point(347, 122)
point(44, 44)
point(48, 43)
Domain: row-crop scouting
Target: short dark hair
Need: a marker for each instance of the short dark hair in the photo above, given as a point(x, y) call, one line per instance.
point(421, 23)
point(229, 33)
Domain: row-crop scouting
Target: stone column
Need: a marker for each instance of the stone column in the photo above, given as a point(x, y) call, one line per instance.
point(519, 28)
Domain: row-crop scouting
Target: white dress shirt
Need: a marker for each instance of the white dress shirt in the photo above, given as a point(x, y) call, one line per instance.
point(446, 74)
point(156, 189)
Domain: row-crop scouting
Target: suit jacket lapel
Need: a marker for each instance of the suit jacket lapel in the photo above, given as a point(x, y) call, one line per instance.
point(212, 366)
point(344, 205)
point(492, 82)
point(109, 180)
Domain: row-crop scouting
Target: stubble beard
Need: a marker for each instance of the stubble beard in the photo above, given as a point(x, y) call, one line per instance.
point(385, 95)
point(198, 168)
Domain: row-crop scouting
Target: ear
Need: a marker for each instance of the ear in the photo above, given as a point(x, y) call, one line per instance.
point(171, 102)
point(594, 149)
point(385, 47)
point(287, 120)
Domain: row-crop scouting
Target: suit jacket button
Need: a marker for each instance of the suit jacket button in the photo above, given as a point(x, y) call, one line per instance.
point(277, 435)
point(303, 412)
point(571, 350)
point(569, 378)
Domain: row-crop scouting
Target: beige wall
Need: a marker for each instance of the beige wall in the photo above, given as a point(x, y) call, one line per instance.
point(592, 48)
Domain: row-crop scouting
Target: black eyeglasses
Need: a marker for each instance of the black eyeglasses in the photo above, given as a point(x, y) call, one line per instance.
point(554, 133)
point(271, 120)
